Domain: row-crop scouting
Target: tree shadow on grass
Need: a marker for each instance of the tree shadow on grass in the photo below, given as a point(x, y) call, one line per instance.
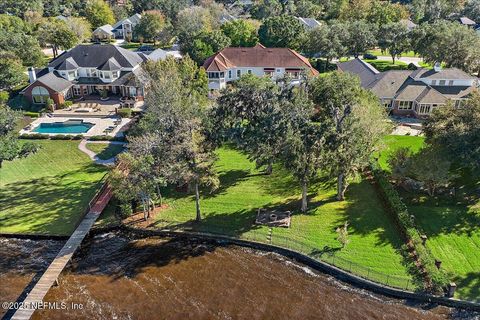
point(112, 150)
point(366, 215)
point(472, 281)
point(48, 205)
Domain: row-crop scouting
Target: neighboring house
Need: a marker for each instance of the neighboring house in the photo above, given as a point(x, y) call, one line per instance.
point(103, 33)
point(233, 62)
point(309, 23)
point(160, 54)
point(467, 22)
point(413, 92)
point(124, 28)
point(408, 23)
point(86, 70)
point(226, 17)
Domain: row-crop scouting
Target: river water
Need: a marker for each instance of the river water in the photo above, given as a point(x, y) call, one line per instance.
point(117, 277)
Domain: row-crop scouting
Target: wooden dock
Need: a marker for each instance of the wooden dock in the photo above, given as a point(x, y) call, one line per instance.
point(50, 276)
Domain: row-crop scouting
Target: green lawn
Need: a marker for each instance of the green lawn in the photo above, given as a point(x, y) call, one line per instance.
point(48, 192)
point(379, 52)
point(384, 65)
point(392, 143)
point(105, 150)
point(232, 209)
point(451, 224)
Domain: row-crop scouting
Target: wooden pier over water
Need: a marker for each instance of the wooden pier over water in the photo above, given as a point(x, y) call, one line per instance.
point(49, 278)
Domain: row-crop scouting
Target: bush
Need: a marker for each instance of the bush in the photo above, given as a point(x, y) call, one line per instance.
point(411, 66)
point(36, 136)
point(438, 278)
point(77, 137)
point(125, 209)
point(49, 104)
point(61, 137)
point(106, 138)
point(124, 112)
point(31, 114)
point(4, 97)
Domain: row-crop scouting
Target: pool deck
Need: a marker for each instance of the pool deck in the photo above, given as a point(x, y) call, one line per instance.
point(100, 124)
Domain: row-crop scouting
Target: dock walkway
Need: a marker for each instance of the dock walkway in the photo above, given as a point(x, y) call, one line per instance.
point(37, 294)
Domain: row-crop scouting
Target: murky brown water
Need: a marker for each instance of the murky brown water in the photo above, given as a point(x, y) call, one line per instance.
point(119, 278)
point(20, 262)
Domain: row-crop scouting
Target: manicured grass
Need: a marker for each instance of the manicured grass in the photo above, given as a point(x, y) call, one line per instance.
point(384, 65)
point(105, 150)
point(48, 192)
point(379, 52)
point(451, 224)
point(232, 210)
point(392, 143)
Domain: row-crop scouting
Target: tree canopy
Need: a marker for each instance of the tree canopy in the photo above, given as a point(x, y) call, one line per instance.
point(281, 31)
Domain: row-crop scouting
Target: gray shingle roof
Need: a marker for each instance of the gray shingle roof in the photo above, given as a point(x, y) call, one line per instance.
point(95, 55)
point(450, 73)
point(309, 23)
point(387, 84)
point(363, 70)
point(133, 19)
point(110, 65)
point(54, 82)
point(467, 21)
point(67, 64)
point(105, 28)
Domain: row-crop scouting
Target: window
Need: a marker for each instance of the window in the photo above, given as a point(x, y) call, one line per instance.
point(450, 83)
point(115, 74)
point(425, 109)
point(442, 82)
point(434, 82)
point(132, 91)
point(230, 74)
point(405, 105)
point(76, 91)
point(222, 75)
point(239, 73)
point(249, 71)
point(106, 75)
point(40, 95)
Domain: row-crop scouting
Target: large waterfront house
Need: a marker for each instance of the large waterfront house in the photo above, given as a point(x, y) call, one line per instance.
point(231, 63)
point(413, 92)
point(87, 70)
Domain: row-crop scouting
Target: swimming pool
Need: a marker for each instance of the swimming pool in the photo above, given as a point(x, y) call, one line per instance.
point(69, 126)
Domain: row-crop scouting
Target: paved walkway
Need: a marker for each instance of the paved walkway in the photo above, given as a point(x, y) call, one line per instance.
point(37, 294)
point(108, 162)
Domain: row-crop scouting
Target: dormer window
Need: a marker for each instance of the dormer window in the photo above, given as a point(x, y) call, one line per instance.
point(442, 82)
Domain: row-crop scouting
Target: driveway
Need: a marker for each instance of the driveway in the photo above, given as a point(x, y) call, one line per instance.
point(407, 60)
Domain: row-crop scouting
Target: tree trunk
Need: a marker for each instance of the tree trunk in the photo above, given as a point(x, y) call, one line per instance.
point(159, 194)
point(269, 169)
point(304, 196)
point(393, 58)
point(341, 187)
point(145, 214)
point(1, 161)
point(197, 202)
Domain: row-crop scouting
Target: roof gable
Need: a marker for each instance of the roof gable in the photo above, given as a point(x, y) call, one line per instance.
point(257, 56)
point(96, 55)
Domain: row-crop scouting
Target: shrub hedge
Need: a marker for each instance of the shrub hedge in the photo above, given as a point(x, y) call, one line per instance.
point(439, 279)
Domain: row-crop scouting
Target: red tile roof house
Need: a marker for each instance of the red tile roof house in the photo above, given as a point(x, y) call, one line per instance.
point(85, 70)
point(413, 92)
point(231, 63)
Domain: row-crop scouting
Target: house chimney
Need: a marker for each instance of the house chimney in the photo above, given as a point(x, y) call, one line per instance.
point(32, 76)
point(437, 67)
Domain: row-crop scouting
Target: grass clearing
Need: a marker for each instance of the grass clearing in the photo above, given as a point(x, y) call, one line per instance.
point(105, 151)
point(47, 192)
point(392, 143)
point(232, 210)
point(378, 52)
point(384, 65)
point(451, 224)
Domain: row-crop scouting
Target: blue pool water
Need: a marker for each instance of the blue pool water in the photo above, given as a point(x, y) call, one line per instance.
point(70, 126)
